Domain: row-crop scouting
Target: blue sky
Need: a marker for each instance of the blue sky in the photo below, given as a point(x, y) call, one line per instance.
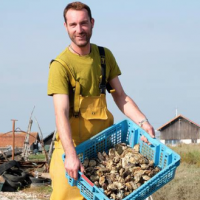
point(155, 43)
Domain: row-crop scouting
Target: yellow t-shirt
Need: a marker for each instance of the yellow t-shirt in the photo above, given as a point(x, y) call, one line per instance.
point(85, 69)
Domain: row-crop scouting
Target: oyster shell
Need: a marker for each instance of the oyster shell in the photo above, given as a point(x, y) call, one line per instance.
point(121, 171)
point(86, 162)
point(92, 163)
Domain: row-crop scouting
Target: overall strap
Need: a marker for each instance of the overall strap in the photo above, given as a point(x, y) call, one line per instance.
point(102, 85)
point(75, 85)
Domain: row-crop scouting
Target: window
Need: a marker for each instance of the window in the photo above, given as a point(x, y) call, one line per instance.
point(194, 141)
point(172, 142)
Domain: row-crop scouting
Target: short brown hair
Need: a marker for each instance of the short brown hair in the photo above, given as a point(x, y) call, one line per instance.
point(77, 6)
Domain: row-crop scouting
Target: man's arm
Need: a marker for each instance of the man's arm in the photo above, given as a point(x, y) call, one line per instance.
point(129, 107)
point(61, 106)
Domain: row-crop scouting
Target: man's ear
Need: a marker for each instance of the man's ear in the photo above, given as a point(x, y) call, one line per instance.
point(92, 22)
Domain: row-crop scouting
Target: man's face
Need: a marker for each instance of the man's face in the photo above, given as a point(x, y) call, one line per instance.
point(79, 26)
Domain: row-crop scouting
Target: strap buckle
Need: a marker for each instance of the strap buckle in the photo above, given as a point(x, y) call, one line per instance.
point(103, 60)
point(102, 89)
point(76, 114)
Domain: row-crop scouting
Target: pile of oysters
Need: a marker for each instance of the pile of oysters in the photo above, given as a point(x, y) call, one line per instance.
point(121, 171)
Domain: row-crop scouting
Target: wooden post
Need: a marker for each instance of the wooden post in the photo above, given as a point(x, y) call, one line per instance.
point(13, 139)
point(51, 146)
point(26, 148)
point(42, 142)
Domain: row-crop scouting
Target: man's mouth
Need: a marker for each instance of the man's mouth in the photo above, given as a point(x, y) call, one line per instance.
point(80, 37)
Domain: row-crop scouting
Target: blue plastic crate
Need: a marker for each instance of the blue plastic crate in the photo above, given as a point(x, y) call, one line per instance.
point(128, 132)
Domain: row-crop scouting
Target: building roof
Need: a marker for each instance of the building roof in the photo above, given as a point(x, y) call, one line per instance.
point(6, 139)
point(176, 118)
point(48, 137)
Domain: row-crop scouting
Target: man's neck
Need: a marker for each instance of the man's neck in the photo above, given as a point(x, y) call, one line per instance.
point(81, 51)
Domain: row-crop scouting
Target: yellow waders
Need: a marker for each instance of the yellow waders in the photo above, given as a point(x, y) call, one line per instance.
point(93, 117)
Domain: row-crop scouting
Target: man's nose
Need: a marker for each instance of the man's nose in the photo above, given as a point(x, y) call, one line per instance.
point(79, 28)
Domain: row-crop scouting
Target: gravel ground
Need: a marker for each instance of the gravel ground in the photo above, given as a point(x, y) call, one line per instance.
point(22, 195)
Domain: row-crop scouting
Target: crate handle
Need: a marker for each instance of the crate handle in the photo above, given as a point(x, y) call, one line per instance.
point(87, 180)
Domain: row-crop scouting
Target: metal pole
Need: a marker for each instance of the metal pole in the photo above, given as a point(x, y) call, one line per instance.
point(13, 138)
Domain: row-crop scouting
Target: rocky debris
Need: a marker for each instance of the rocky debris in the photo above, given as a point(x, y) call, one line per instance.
point(23, 195)
point(17, 196)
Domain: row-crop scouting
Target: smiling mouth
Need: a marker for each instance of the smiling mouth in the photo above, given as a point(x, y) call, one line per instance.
point(81, 38)
point(81, 35)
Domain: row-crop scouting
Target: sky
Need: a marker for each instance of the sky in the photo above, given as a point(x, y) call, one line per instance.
point(156, 45)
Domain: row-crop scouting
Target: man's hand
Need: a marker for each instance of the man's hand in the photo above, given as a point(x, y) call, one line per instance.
point(73, 165)
point(149, 129)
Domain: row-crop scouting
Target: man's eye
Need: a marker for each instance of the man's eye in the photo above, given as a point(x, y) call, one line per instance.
point(84, 23)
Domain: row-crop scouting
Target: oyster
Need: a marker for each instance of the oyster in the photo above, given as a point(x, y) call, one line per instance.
point(94, 178)
point(86, 162)
point(92, 163)
point(121, 171)
point(100, 156)
point(137, 148)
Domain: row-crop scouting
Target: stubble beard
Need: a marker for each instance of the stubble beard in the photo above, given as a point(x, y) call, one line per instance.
point(84, 43)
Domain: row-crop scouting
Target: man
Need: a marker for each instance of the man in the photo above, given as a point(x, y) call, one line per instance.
point(79, 101)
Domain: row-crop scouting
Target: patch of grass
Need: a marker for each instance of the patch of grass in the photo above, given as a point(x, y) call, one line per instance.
point(185, 185)
point(41, 189)
point(40, 157)
point(189, 153)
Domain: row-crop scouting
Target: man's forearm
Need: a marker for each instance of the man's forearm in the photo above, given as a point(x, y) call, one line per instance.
point(72, 163)
point(129, 108)
point(64, 130)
